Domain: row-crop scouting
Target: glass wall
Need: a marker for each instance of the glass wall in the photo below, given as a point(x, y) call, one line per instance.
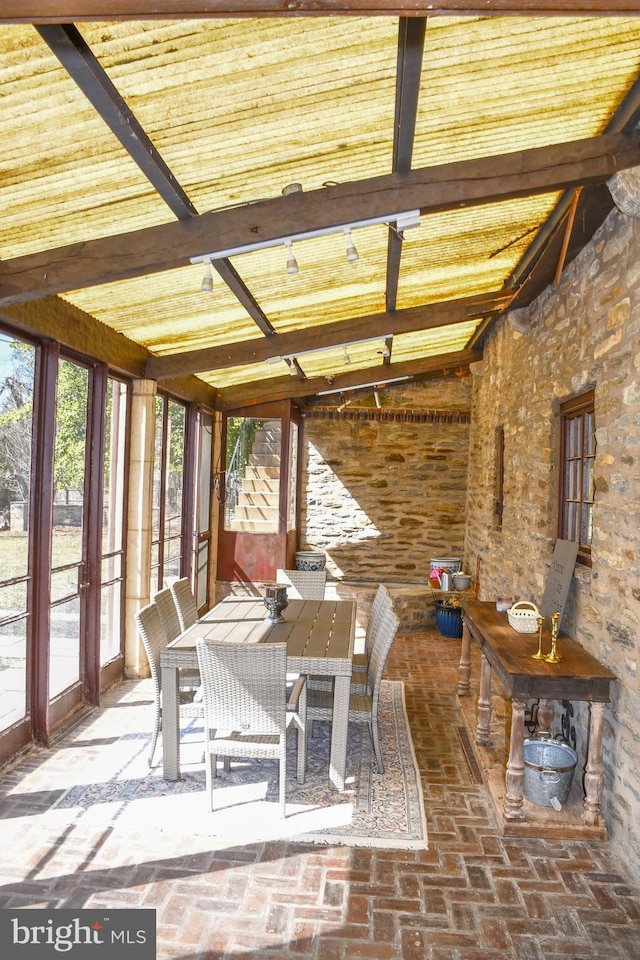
point(168, 491)
point(113, 493)
point(17, 368)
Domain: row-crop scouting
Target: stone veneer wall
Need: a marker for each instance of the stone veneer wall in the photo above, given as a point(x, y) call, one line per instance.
point(384, 488)
point(585, 332)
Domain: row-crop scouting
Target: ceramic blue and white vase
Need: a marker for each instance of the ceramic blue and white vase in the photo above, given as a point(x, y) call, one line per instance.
point(310, 560)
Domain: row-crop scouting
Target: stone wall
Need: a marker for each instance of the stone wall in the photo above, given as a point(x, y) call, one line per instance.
point(584, 332)
point(384, 488)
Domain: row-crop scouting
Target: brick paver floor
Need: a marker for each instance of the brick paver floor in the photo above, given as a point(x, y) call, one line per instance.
point(472, 895)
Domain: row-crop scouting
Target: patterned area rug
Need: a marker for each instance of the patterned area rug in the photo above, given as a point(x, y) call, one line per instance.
point(374, 810)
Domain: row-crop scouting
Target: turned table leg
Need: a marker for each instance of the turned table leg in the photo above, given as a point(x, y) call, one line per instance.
point(545, 716)
point(483, 727)
point(464, 668)
point(593, 775)
point(513, 806)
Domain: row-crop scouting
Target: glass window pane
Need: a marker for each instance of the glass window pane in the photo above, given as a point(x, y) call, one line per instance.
point(174, 470)
point(157, 470)
point(587, 480)
point(586, 531)
point(203, 573)
point(64, 653)
point(13, 599)
point(64, 583)
point(572, 437)
point(572, 521)
point(114, 467)
point(206, 448)
point(252, 478)
point(13, 676)
point(293, 477)
point(111, 568)
point(17, 363)
point(573, 489)
point(589, 435)
point(110, 621)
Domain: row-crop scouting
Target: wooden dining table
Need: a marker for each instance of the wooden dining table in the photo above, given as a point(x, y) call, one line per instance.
point(320, 636)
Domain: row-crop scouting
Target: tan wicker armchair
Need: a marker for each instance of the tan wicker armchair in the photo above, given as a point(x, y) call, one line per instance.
point(303, 584)
point(185, 603)
point(363, 707)
point(245, 706)
point(155, 640)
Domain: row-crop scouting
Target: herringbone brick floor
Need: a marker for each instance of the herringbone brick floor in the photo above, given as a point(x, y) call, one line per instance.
point(472, 896)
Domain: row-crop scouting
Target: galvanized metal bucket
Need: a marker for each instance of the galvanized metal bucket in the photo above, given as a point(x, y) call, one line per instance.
point(548, 771)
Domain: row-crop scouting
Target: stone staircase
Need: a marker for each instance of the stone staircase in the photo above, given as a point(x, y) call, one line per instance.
point(258, 500)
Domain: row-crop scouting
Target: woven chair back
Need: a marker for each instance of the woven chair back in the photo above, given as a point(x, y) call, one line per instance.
point(154, 638)
point(244, 686)
point(382, 601)
point(168, 613)
point(386, 629)
point(185, 603)
point(303, 584)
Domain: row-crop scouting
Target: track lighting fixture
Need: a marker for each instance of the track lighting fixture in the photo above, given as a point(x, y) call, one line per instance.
point(292, 263)
point(398, 221)
point(207, 280)
point(352, 253)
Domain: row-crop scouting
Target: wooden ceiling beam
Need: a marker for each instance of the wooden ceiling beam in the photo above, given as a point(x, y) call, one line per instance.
point(286, 388)
point(328, 335)
point(63, 11)
point(449, 186)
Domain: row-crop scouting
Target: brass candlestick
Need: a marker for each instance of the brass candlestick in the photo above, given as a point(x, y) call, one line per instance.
point(554, 656)
point(539, 655)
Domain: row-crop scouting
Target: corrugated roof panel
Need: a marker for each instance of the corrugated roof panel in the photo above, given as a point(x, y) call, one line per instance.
point(65, 177)
point(467, 252)
point(496, 85)
point(241, 108)
point(429, 343)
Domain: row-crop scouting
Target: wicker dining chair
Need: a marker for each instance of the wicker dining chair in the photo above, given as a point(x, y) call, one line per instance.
point(381, 602)
point(168, 613)
point(246, 713)
point(303, 584)
point(363, 707)
point(185, 603)
point(155, 640)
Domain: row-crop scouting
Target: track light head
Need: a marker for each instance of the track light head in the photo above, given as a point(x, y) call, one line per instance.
point(352, 253)
point(207, 280)
point(292, 263)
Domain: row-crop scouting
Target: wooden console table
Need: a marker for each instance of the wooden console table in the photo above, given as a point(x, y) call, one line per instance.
point(578, 676)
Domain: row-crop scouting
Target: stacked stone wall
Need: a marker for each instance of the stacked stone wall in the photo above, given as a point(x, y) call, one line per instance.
point(584, 332)
point(384, 489)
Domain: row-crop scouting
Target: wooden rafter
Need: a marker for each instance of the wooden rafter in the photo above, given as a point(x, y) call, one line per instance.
point(432, 189)
point(329, 335)
point(283, 388)
point(63, 11)
point(411, 33)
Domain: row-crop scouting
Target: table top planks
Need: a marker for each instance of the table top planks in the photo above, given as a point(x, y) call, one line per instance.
point(321, 631)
